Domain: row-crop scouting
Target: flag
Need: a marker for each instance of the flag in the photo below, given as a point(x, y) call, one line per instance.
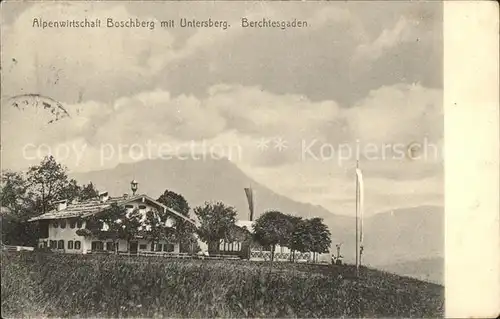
point(249, 193)
point(359, 177)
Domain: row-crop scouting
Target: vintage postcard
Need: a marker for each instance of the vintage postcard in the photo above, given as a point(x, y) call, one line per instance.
point(247, 159)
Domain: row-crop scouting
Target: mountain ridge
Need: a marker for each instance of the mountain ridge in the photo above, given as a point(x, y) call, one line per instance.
point(400, 235)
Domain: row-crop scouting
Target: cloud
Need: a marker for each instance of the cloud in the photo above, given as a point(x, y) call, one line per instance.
point(105, 64)
point(156, 113)
point(398, 114)
point(230, 89)
point(402, 31)
point(383, 123)
point(62, 62)
point(98, 63)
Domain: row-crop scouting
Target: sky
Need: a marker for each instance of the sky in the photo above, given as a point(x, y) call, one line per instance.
point(294, 109)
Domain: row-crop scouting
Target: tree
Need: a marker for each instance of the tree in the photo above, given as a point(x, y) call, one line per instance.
point(70, 191)
point(13, 192)
point(295, 222)
point(302, 239)
point(88, 192)
point(113, 223)
point(31, 193)
point(216, 221)
point(174, 201)
point(130, 226)
point(17, 207)
point(48, 182)
point(155, 227)
point(311, 235)
point(243, 236)
point(184, 230)
point(273, 228)
point(320, 235)
point(106, 224)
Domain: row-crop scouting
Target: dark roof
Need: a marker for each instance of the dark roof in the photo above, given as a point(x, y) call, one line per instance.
point(94, 206)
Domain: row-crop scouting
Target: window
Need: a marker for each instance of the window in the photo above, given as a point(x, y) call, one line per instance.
point(55, 224)
point(79, 223)
point(158, 247)
point(168, 248)
point(142, 206)
point(53, 244)
point(129, 206)
point(60, 244)
point(44, 244)
point(97, 245)
point(78, 245)
point(44, 228)
point(63, 223)
point(143, 246)
point(110, 246)
point(70, 244)
point(72, 223)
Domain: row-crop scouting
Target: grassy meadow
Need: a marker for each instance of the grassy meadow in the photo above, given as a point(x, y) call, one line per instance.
point(56, 285)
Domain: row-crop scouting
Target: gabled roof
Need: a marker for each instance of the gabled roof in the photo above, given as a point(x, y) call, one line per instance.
point(94, 206)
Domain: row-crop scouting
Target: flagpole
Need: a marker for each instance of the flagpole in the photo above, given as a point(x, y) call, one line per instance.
point(357, 236)
point(250, 199)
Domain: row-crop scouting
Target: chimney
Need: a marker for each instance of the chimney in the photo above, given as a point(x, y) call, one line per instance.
point(61, 204)
point(103, 196)
point(125, 196)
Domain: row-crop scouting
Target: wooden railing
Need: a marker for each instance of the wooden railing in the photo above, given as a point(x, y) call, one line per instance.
point(278, 256)
point(17, 248)
point(164, 254)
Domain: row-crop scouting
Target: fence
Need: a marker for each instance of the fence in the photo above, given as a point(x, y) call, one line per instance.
point(163, 254)
point(17, 248)
point(278, 256)
point(254, 254)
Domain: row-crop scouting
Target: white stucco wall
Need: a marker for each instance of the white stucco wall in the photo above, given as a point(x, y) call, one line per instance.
point(69, 234)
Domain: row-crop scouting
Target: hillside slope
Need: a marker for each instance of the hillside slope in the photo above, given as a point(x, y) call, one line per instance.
point(123, 286)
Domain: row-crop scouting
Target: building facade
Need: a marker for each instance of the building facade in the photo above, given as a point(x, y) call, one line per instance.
point(60, 227)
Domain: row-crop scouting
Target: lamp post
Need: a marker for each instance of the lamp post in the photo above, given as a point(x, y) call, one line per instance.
point(133, 186)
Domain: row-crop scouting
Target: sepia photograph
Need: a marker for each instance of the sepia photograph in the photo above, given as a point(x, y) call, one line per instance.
point(222, 159)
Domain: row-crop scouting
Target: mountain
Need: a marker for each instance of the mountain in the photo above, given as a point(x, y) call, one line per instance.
point(198, 181)
point(404, 234)
point(390, 237)
point(427, 269)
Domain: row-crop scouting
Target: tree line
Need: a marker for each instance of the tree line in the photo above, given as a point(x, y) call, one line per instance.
point(24, 195)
